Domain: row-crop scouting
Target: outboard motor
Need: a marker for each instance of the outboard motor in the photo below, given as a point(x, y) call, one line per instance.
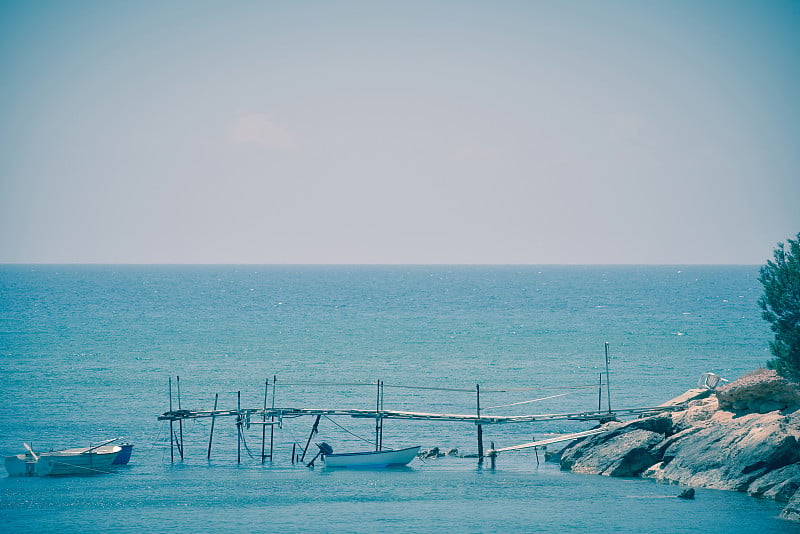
point(324, 450)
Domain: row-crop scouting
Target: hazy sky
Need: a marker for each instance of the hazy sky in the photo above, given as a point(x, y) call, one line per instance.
point(398, 132)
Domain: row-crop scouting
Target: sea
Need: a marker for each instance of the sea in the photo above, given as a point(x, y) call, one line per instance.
point(93, 352)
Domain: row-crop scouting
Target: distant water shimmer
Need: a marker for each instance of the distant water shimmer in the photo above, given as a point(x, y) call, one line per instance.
point(86, 353)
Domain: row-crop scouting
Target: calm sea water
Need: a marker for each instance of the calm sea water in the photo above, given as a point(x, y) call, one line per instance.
point(86, 353)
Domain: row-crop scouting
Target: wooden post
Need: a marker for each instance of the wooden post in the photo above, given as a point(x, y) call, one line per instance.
point(294, 449)
point(380, 443)
point(272, 418)
point(492, 454)
point(378, 418)
point(600, 393)
point(608, 381)
point(180, 421)
point(264, 419)
point(213, 419)
point(313, 431)
point(480, 427)
point(171, 431)
point(238, 427)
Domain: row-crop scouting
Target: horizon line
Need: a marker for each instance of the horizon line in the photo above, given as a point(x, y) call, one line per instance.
point(342, 264)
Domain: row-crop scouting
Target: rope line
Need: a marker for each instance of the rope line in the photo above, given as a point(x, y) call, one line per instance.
point(78, 466)
point(430, 388)
point(529, 401)
point(291, 435)
point(154, 442)
point(244, 441)
point(326, 383)
point(343, 428)
point(510, 390)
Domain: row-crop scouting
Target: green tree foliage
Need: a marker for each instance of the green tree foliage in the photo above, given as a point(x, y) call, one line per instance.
point(780, 305)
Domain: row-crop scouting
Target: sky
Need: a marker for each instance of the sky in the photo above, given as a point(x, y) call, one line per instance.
point(372, 132)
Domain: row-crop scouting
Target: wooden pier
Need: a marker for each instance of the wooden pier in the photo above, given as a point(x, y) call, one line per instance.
point(275, 415)
point(247, 415)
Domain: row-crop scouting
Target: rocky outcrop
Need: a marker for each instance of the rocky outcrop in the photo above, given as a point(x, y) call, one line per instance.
point(436, 452)
point(761, 391)
point(727, 453)
point(625, 451)
point(780, 484)
point(792, 510)
point(744, 438)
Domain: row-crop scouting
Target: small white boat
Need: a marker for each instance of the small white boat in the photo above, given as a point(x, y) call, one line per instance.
point(370, 459)
point(78, 461)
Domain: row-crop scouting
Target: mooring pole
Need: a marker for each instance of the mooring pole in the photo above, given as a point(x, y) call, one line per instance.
point(171, 431)
point(313, 431)
point(380, 444)
point(238, 427)
point(213, 419)
point(480, 427)
point(180, 421)
point(600, 393)
point(378, 418)
point(608, 381)
point(272, 418)
point(264, 419)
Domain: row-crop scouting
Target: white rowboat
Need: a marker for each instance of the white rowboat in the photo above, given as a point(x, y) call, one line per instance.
point(372, 459)
point(77, 461)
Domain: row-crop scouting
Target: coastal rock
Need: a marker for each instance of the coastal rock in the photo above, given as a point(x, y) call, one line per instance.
point(792, 510)
point(618, 454)
point(695, 414)
point(743, 438)
point(429, 453)
point(761, 391)
point(780, 484)
point(436, 452)
point(625, 450)
point(728, 453)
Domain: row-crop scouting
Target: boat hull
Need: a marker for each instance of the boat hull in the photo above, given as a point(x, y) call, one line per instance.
point(21, 465)
point(62, 463)
point(373, 459)
point(123, 457)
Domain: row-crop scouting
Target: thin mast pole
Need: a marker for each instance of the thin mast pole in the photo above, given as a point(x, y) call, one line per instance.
point(264, 419)
point(380, 444)
point(480, 427)
point(171, 430)
point(180, 421)
point(272, 418)
point(213, 419)
point(378, 417)
point(608, 381)
point(308, 442)
point(600, 393)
